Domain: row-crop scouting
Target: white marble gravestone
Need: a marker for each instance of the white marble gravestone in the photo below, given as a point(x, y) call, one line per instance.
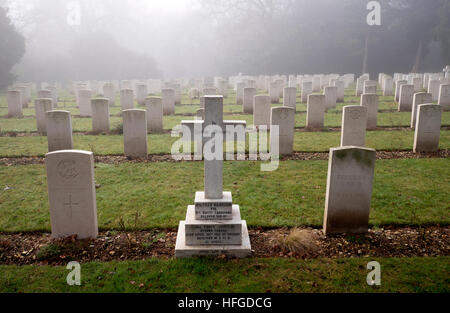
point(100, 115)
point(419, 98)
point(406, 98)
point(141, 94)
point(213, 226)
point(59, 130)
point(315, 111)
point(284, 118)
point(154, 115)
point(84, 102)
point(168, 101)
point(330, 94)
point(71, 194)
point(249, 95)
point(444, 97)
point(261, 111)
point(370, 101)
point(135, 133)
point(306, 90)
point(354, 125)
point(14, 99)
point(349, 190)
point(290, 97)
point(42, 106)
point(127, 99)
point(428, 128)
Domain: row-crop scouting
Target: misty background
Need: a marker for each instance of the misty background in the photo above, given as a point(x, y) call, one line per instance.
point(40, 40)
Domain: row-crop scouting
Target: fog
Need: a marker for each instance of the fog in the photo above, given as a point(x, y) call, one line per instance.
point(140, 39)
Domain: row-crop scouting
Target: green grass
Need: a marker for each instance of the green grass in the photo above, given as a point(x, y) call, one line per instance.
point(403, 275)
point(162, 143)
point(407, 191)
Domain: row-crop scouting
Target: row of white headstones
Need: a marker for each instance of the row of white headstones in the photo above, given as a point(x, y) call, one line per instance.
point(213, 225)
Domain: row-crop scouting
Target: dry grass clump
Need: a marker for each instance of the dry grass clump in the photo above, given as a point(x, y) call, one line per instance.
point(301, 242)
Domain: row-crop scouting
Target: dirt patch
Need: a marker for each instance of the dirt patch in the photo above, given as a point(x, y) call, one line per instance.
point(39, 248)
point(297, 156)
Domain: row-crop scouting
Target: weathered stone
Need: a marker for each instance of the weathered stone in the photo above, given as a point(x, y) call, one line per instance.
point(71, 194)
point(249, 95)
point(135, 133)
point(306, 90)
point(168, 101)
point(444, 97)
point(419, 98)
point(100, 115)
point(84, 102)
point(428, 128)
point(127, 99)
point(59, 130)
point(315, 111)
point(42, 106)
point(154, 115)
point(290, 97)
point(406, 98)
point(284, 118)
point(262, 111)
point(330, 94)
point(349, 190)
point(354, 124)
point(14, 100)
point(433, 88)
point(142, 93)
point(370, 101)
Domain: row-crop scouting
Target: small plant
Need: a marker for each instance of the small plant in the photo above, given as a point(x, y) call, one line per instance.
point(118, 130)
point(48, 252)
point(299, 241)
point(122, 226)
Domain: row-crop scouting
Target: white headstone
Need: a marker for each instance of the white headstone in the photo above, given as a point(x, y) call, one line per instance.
point(71, 194)
point(154, 115)
point(284, 118)
point(14, 100)
point(135, 133)
point(59, 131)
point(419, 98)
point(42, 106)
point(354, 124)
point(100, 115)
point(370, 101)
point(315, 111)
point(428, 128)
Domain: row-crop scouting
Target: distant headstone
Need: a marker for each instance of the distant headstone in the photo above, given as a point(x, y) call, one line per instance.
point(135, 133)
point(262, 111)
point(349, 190)
point(42, 106)
point(433, 88)
point(109, 93)
point(306, 90)
point(315, 111)
point(274, 92)
point(290, 97)
point(154, 115)
point(284, 118)
point(370, 101)
point(168, 101)
point(444, 97)
point(59, 131)
point(141, 94)
point(240, 93)
point(100, 115)
point(354, 124)
point(340, 85)
point(84, 101)
point(249, 94)
point(428, 128)
point(419, 98)
point(330, 94)
point(387, 86)
point(14, 100)
point(127, 99)
point(406, 98)
point(398, 84)
point(71, 194)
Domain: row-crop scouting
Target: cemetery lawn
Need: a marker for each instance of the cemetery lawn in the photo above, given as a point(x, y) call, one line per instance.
point(289, 275)
point(393, 140)
point(406, 192)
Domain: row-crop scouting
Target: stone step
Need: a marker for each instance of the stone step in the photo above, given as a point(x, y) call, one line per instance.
point(235, 251)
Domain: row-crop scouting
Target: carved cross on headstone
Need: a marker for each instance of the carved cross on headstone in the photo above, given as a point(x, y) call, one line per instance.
point(70, 204)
